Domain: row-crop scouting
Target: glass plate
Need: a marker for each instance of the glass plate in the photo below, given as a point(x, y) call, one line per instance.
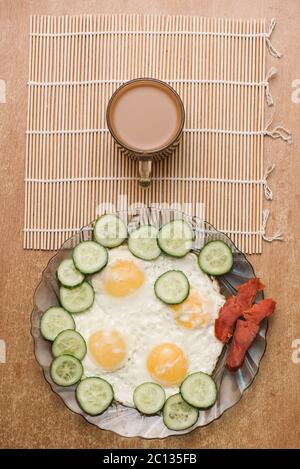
point(127, 421)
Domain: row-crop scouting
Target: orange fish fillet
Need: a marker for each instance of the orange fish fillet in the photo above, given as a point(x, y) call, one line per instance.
point(234, 307)
point(244, 335)
point(246, 331)
point(260, 311)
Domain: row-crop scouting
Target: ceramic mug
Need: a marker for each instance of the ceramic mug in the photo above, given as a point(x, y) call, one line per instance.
point(145, 116)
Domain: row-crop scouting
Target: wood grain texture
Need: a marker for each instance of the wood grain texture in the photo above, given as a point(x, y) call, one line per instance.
point(269, 413)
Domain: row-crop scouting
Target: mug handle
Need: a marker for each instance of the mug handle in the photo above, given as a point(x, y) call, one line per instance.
point(145, 168)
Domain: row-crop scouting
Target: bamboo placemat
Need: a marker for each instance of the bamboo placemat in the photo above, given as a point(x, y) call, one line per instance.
point(73, 169)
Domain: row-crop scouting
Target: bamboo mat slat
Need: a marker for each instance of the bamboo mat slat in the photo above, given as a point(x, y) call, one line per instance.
point(72, 165)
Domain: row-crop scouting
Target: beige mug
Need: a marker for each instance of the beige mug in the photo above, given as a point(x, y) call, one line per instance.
point(145, 117)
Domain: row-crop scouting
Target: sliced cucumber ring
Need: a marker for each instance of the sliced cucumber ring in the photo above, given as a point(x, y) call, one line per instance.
point(215, 258)
point(176, 238)
point(172, 287)
point(94, 395)
point(68, 275)
point(77, 299)
point(199, 390)
point(178, 414)
point(66, 370)
point(143, 243)
point(69, 342)
point(89, 257)
point(149, 398)
point(110, 231)
point(55, 320)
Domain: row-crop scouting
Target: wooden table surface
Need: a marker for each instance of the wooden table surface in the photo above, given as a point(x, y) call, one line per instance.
point(30, 414)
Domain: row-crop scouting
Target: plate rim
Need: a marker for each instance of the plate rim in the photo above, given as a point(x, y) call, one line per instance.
point(87, 227)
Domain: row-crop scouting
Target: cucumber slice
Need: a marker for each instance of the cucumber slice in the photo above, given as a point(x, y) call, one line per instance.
point(143, 243)
point(176, 238)
point(55, 320)
point(94, 395)
point(178, 414)
point(77, 299)
point(172, 287)
point(89, 257)
point(68, 275)
point(110, 231)
point(149, 398)
point(69, 342)
point(199, 390)
point(66, 370)
point(215, 258)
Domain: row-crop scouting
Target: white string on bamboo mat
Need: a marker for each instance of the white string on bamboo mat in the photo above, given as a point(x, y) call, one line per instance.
point(267, 190)
point(127, 32)
point(277, 236)
point(278, 132)
point(193, 81)
point(150, 33)
point(265, 216)
point(271, 73)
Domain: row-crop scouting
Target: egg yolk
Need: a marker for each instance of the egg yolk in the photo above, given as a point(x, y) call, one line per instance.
point(167, 364)
point(108, 349)
point(191, 312)
point(123, 278)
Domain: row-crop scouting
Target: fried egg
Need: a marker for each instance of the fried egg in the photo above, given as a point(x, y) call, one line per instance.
point(132, 337)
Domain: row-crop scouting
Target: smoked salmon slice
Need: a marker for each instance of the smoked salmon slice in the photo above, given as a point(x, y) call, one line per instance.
point(244, 334)
point(246, 331)
point(234, 307)
point(260, 311)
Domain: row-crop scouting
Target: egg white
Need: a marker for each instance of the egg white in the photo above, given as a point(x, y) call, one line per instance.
point(144, 321)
